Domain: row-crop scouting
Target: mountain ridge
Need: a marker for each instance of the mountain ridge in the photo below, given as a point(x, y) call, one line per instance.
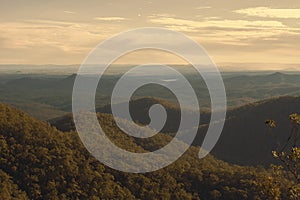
point(45, 163)
point(244, 127)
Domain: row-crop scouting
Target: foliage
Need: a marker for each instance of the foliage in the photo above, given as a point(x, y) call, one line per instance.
point(8, 189)
point(289, 157)
point(40, 162)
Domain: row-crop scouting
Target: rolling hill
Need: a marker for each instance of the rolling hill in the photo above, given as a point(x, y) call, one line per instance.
point(245, 139)
point(39, 162)
point(56, 92)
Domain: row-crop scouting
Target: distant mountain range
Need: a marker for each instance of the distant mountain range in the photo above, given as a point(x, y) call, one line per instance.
point(48, 98)
point(56, 92)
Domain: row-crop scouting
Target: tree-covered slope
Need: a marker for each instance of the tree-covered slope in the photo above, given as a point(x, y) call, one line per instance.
point(41, 162)
point(246, 139)
point(244, 127)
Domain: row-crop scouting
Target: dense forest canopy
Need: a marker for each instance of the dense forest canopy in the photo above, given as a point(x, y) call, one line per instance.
point(39, 162)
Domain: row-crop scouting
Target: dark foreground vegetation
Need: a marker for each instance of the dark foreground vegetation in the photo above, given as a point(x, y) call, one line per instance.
point(37, 161)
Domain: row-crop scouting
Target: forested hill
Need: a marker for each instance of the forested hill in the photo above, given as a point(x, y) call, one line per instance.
point(245, 139)
point(39, 162)
point(244, 127)
point(47, 97)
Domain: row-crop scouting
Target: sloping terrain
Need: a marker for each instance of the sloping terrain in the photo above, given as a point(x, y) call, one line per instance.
point(56, 92)
point(39, 162)
point(245, 139)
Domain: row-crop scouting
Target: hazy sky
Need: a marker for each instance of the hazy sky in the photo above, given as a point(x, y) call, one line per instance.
point(234, 32)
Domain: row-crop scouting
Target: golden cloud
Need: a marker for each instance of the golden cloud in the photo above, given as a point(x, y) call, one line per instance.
point(110, 18)
point(271, 12)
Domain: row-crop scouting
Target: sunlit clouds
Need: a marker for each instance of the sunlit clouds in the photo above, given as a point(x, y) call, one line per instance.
point(271, 12)
point(110, 18)
point(64, 33)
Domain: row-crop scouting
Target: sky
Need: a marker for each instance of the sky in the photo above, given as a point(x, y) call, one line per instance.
point(250, 34)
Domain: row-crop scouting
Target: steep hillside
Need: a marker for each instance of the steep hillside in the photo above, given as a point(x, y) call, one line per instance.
point(48, 164)
point(44, 163)
point(246, 139)
point(8, 189)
